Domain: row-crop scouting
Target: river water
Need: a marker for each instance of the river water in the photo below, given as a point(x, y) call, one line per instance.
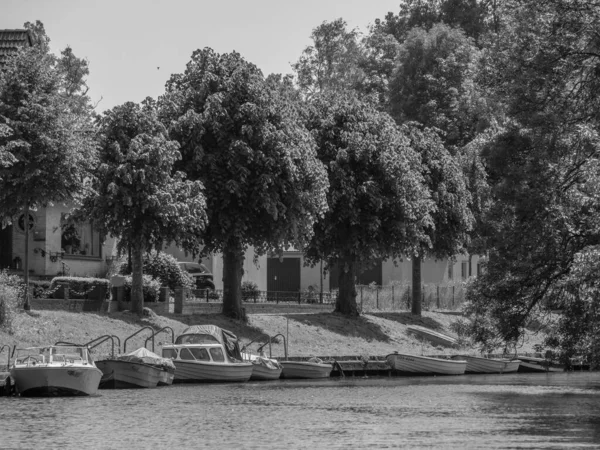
point(501, 411)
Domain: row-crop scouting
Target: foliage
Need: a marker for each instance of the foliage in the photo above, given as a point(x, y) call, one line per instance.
point(150, 288)
point(164, 268)
point(11, 292)
point(332, 62)
point(79, 287)
point(249, 290)
point(434, 84)
point(245, 140)
point(136, 193)
point(40, 288)
point(378, 205)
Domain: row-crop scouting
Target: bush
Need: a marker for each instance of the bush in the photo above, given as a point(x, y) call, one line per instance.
point(164, 268)
point(79, 287)
point(11, 290)
point(250, 291)
point(150, 288)
point(40, 288)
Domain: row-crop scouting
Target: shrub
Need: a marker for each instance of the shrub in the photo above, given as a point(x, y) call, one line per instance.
point(40, 288)
point(79, 287)
point(250, 290)
point(11, 290)
point(164, 268)
point(150, 288)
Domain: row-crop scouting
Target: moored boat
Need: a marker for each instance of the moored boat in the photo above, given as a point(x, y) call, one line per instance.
point(476, 364)
point(263, 368)
point(313, 368)
point(55, 370)
point(426, 365)
point(207, 353)
point(138, 369)
point(533, 364)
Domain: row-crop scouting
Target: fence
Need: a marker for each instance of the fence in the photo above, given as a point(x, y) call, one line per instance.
point(397, 297)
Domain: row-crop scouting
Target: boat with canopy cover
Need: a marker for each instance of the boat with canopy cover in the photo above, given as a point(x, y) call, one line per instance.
point(140, 368)
point(207, 353)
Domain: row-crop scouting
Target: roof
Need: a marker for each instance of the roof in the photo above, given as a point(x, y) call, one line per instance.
point(12, 40)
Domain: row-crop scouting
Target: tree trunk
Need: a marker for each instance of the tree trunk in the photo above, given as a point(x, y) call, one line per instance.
point(233, 270)
point(137, 272)
point(416, 286)
point(26, 304)
point(346, 301)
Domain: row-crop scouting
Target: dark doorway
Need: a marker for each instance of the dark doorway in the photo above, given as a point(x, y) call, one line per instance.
point(283, 276)
point(6, 247)
point(369, 275)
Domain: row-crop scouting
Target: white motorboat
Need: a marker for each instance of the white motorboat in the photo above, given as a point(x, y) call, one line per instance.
point(55, 370)
point(477, 364)
point(426, 365)
point(434, 337)
point(138, 369)
point(207, 353)
point(313, 368)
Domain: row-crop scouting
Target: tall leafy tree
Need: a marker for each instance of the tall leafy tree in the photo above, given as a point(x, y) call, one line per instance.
point(45, 143)
point(544, 175)
point(378, 204)
point(245, 140)
point(136, 193)
point(452, 219)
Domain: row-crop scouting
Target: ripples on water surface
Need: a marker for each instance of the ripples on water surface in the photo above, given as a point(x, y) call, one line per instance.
point(501, 411)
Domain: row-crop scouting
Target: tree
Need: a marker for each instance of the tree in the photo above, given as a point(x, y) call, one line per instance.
point(46, 148)
point(543, 170)
point(244, 139)
point(434, 84)
point(137, 195)
point(378, 205)
point(332, 62)
point(452, 219)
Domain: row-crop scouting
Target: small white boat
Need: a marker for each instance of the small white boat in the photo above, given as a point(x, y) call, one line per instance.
point(55, 370)
point(138, 369)
point(263, 368)
point(313, 368)
point(207, 353)
point(477, 364)
point(434, 337)
point(426, 365)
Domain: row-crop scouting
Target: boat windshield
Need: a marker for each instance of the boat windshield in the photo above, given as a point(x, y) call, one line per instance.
point(197, 339)
point(45, 355)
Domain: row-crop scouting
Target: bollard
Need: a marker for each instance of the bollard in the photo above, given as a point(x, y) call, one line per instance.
point(179, 296)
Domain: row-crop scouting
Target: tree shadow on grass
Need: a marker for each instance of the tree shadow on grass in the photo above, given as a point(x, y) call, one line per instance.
point(358, 327)
point(406, 318)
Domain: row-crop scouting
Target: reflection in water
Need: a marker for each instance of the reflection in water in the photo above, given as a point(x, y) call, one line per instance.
point(525, 411)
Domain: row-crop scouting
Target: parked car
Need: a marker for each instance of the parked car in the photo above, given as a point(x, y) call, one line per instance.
point(200, 274)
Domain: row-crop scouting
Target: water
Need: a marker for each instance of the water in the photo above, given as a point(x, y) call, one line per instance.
point(500, 411)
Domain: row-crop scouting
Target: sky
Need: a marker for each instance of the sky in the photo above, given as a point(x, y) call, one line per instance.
point(133, 46)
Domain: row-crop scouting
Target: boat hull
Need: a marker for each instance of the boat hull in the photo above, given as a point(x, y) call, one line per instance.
point(263, 373)
point(57, 380)
point(305, 369)
point(127, 374)
point(207, 372)
point(491, 365)
point(431, 336)
point(424, 365)
point(531, 364)
point(167, 375)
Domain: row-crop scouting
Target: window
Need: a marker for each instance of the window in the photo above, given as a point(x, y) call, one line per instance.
point(450, 270)
point(80, 240)
point(464, 270)
point(169, 353)
point(200, 354)
point(185, 354)
point(479, 268)
point(217, 354)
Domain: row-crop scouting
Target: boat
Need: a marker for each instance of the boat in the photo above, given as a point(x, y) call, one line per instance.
point(434, 337)
point(140, 368)
point(313, 368)
point(426, 365)
point(535, 364)
point(207, 353)
point(55, 370)
point(477, 364)
point(263, 368)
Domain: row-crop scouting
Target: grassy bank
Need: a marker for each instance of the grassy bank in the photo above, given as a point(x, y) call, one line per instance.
point(320, 334)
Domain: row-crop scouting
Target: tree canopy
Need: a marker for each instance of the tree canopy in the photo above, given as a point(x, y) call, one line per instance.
point(244, 139)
